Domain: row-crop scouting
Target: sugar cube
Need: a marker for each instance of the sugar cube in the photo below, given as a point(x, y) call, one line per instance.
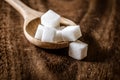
point(58, 36)
point(50, 19)
point(39, 31)
point(48, 34)
point(78, 50)
point(71, 33)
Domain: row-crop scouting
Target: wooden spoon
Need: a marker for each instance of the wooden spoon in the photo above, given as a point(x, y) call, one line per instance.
point(31, 21)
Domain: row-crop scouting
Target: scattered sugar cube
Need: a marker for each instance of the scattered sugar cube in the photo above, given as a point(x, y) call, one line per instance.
point(58, 37)
point(71, 33)
point(48, 34)
point(50, 19)
point(78, 50)
point(39, 31)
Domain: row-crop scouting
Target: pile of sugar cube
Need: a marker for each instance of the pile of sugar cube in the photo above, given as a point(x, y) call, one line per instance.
point(50, 31)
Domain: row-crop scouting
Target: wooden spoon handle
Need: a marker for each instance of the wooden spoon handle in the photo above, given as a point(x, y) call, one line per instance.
point(24, 10)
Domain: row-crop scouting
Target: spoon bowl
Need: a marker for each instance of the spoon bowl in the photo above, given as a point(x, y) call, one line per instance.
point(31, 22)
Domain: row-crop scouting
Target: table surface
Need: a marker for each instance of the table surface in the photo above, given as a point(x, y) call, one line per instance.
point(100, 25)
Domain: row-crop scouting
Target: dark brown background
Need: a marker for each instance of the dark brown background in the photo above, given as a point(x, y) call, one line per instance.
point(100, 25)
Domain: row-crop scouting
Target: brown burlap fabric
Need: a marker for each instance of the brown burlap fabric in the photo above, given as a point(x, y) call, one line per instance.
point(100, 25)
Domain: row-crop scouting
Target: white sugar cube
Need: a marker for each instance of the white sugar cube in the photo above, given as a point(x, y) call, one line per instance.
point(48, 34)
point(50, 19)
point(39, 31)
point(78, 50)
point(71, 33)
point(58, 37)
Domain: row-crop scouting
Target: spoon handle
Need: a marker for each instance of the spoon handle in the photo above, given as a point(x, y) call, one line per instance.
point(24, 10)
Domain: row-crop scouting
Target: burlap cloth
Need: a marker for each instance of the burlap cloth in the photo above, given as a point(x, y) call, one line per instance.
point(100, 25)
